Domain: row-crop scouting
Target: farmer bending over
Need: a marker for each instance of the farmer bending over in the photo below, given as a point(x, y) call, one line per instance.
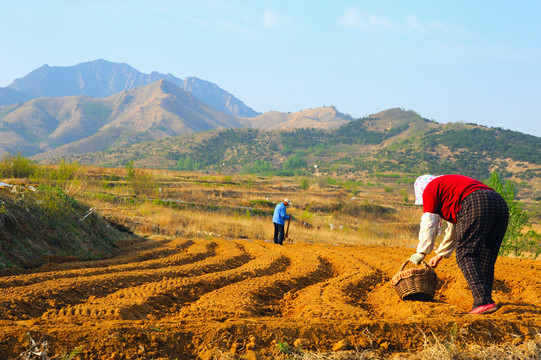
point(279, 220)
point(477, 217)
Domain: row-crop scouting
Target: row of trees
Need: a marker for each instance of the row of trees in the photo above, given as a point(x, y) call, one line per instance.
point(472, 150)
point(496, 143)
point(353, 132)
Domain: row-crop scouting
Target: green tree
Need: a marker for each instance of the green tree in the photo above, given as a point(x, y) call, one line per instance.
point(141, 182)
point(131, 170)
point(17, 166)
point(294, 163)
point(259, 166)
point(305, 183)
point(188, 164)
point(516, 240)
point(69, 176)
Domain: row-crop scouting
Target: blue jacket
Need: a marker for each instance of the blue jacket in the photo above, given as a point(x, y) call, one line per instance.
point(280, 215)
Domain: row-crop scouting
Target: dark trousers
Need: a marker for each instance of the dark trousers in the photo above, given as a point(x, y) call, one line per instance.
point(278, 233)
point(481, 226)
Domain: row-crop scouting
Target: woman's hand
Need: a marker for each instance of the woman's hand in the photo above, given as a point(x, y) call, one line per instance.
point(435, 260)
point(417, 258)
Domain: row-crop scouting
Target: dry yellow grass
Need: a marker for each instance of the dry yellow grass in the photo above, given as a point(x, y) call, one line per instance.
point(347, 211)
point(316, 210)
point(336, 211)
point(434, 350)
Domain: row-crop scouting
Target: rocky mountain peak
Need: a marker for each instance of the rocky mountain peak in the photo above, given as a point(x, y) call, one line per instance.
point(101, 78)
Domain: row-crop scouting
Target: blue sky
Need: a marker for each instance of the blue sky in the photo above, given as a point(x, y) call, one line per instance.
point(450, 61)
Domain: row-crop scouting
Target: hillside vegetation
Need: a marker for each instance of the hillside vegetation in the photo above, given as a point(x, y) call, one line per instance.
point(391, 142)
point(44, 224)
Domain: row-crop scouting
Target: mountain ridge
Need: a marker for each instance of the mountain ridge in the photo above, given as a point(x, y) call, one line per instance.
point(77, 124)
point(408, 144)
point(62, 126)
point(101, 78)
point(320, 118)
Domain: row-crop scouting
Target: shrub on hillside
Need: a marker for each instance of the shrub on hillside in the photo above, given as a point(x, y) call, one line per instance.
point(517, 241)
point(141, 183)
point(36, 226)
point(68, 176)
point(17, 166)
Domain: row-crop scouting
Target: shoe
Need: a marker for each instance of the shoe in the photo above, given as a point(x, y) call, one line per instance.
point(484, 309)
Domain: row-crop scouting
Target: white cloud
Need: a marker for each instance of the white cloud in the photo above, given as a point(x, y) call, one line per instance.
point(269, 18)
point(352, 19)
point(412, 22)
point(437, 25)
point(415, 24)
point(378, 22)
point(272, 19)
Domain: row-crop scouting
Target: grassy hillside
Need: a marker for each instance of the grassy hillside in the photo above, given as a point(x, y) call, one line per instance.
point(393, 141)
point(44, 224)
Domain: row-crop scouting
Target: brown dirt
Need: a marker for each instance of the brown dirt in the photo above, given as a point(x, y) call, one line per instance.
point(197, 298)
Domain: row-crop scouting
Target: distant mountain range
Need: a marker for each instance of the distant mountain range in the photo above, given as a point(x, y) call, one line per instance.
point(94, 106)
point(102, 113)
point(102, 78)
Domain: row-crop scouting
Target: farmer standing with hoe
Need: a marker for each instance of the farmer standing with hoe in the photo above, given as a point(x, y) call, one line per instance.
point(279, 220)
point(477, 217)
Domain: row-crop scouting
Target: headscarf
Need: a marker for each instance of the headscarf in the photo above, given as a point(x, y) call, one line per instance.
point(420, 185)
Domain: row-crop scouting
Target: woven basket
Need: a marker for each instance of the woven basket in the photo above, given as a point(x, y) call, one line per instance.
point(415, 283)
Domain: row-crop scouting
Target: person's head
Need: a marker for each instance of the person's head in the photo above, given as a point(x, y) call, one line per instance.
point(287, 202)
point(420, 185)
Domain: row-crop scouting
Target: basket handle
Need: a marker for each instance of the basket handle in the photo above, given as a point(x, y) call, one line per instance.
point(408, 261)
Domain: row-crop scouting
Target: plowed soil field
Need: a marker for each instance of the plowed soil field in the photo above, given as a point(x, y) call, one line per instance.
point(201, 298)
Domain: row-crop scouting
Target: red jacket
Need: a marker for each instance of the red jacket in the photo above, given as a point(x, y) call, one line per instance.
point(444, 194)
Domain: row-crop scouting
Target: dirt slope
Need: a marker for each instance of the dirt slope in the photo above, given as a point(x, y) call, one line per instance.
point(199, 298)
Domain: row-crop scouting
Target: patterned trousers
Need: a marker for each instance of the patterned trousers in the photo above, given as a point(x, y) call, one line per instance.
point(481, 226)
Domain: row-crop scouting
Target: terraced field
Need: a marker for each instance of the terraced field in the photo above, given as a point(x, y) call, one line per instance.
point(200, 298)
